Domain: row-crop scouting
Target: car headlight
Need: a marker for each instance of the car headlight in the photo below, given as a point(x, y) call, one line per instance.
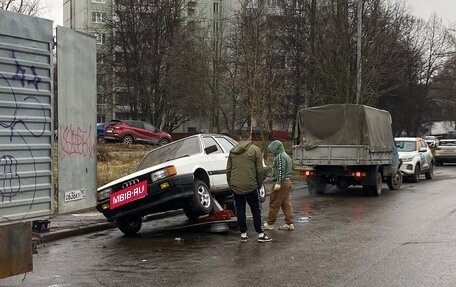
point(407, 159)
point(104, 194)
point(163, 173)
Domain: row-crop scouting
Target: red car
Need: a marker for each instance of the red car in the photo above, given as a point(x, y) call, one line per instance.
point(131, 131)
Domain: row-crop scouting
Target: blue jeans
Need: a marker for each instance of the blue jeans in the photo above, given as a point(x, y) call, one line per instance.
point(253, 199)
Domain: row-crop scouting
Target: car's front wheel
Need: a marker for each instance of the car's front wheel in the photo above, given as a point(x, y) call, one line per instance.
point(129, 225)
point(416, 174)
point(430, 173)
point(201, 202)
point(163, 142)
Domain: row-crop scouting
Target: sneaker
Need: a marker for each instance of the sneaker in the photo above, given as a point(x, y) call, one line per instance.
point(268, 227)
point(264, 238)
point(289, 227)
point(244, 238)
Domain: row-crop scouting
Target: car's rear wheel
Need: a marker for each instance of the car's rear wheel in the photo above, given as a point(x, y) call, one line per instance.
point(127, 139)
point(163, 142)
point(262, 193)
point(430, 173)
point(395, 181)
point(416, 174)
point(129, 225)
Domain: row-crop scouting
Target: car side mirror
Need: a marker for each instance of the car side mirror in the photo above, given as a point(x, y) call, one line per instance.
point(210, 149)
point(423, 149)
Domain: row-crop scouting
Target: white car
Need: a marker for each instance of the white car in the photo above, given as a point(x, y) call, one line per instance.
point(416, 158)
point(445, 151)
point(188, 173)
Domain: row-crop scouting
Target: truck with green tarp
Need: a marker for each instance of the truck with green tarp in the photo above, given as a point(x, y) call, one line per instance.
point(345, 145)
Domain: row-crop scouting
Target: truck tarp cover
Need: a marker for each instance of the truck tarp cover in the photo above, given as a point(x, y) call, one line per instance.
point(345, 124)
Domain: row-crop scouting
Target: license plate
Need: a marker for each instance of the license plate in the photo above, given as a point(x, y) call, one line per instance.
point(128, 194)
point(75, 195)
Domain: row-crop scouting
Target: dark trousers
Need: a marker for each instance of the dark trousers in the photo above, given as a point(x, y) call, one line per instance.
point(253, 200)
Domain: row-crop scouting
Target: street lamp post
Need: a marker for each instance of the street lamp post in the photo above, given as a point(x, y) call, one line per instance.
point(358, 54)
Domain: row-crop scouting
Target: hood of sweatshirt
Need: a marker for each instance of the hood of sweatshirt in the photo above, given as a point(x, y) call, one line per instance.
point(241, 147)
point(276, 147)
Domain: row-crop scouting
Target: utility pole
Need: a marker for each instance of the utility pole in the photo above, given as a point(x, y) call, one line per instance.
point(358, 53)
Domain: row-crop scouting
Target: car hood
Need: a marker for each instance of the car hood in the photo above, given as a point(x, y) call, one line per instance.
point(176, 162)
point(404, 154)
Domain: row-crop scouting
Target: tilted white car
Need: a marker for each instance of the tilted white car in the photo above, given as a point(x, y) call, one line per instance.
point(187, 173)
point(416, 158)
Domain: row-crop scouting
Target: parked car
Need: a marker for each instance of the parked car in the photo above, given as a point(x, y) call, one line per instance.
point(416, 158)
point(100, 131)
point(445, 151)
point(188, 173)
point(131, 131)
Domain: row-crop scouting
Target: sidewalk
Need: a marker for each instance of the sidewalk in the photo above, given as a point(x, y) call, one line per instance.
point(67, 225)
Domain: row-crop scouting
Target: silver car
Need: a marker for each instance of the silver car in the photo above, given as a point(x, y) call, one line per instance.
point(445, 151)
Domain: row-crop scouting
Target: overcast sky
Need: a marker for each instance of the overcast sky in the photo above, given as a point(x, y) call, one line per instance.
point(445, 9)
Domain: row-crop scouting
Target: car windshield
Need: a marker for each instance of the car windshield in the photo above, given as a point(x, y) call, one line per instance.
point(183, 148)
point(405, 146)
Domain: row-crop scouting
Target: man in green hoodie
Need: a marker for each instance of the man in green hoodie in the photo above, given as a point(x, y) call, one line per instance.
point(279, 196)
point(244, 173)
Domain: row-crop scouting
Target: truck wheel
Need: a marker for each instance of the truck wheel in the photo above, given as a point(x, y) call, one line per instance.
point(416, 174)
point(316, 187)
point(430, 173)
point(376, 190)
point(394, 182)
point(129, 225)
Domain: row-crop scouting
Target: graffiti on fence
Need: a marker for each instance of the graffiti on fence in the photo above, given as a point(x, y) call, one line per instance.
point(10, 183)
point(76, 141)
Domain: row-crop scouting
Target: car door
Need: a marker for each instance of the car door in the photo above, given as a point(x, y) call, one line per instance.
point(426, 156)
point(151, 133)
point(216, 164)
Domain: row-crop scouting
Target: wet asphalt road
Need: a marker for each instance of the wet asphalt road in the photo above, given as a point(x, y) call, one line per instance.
point(401, 238)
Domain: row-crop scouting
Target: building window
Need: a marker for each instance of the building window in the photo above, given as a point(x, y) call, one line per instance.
point(98, 1)
point(100, 38)
point(216, 26)
point(216, 7)
point(98, 17)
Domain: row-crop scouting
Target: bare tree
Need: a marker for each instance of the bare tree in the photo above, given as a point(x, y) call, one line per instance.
point(28, 7)
point(157, 61)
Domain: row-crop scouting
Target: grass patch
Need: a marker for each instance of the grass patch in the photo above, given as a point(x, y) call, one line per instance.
point(117, 160)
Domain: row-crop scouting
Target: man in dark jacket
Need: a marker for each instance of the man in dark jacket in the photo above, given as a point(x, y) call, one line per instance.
point(244, 172)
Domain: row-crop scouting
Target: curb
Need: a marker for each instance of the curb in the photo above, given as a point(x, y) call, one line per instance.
point(46, 237)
